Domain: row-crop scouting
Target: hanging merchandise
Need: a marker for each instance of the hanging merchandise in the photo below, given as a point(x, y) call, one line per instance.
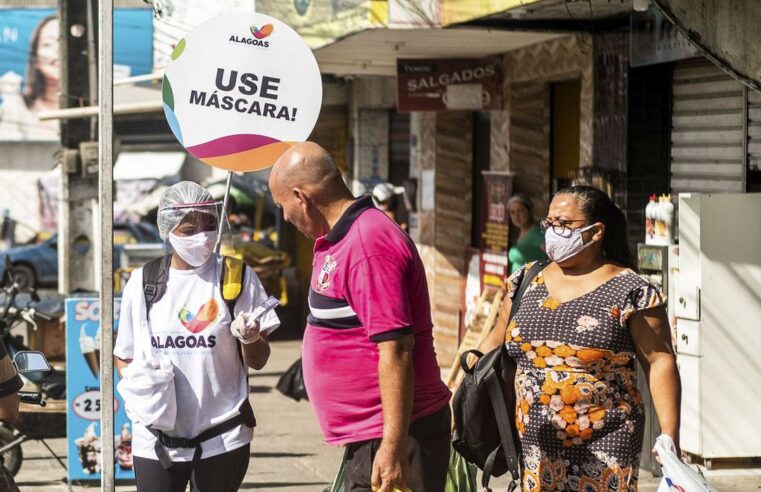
point(650, 220)
point(659, 221)
point(667, 212)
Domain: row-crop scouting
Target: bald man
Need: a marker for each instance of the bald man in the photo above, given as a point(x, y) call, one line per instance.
point(368, 358)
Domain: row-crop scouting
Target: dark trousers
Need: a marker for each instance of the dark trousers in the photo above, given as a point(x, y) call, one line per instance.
point(221, 473)
point(427, 450)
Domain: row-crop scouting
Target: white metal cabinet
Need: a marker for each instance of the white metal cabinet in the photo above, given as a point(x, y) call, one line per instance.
point(718, 332)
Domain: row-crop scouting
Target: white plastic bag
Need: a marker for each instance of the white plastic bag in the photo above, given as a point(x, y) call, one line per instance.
point(147, 387)
point(677, 475)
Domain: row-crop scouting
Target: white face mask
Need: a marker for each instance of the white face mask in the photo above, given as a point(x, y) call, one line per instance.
point(195, 249)
point(561, 248)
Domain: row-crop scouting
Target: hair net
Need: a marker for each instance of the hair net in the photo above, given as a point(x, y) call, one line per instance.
point(179, 200)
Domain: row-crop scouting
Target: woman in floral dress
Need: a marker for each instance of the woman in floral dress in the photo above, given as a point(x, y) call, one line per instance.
point(584, 321)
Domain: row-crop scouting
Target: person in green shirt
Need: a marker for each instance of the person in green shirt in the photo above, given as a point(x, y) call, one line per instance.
point(530, 244)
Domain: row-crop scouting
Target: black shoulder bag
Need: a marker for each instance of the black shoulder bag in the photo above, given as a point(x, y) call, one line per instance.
point(484, 406)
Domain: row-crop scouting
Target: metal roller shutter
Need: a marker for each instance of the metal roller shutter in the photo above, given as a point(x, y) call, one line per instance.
point(707, 137)
point(754, 130)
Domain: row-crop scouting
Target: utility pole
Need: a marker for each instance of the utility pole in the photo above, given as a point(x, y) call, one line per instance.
point(79, 188)
point(105, 274)
point(85, 243)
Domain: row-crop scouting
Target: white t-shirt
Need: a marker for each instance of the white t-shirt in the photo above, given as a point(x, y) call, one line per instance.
point(191, 325)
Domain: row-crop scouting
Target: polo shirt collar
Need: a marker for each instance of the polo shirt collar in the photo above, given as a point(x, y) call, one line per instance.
point(351, 214)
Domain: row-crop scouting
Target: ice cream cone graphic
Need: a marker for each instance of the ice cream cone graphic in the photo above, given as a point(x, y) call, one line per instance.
point(88, 346)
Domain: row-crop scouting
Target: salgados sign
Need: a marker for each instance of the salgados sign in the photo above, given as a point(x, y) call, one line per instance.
point(240, 90)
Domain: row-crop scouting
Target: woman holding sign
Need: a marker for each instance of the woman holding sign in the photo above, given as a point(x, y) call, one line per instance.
point(191, 325)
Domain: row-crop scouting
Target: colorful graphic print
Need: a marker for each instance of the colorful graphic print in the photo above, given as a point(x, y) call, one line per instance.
point(323, 280)
point(263, 32)
point(202, 319)
point(578, 411)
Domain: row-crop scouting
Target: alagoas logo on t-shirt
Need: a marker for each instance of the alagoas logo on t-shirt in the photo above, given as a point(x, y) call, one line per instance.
point(206, 317)
point(323, 279)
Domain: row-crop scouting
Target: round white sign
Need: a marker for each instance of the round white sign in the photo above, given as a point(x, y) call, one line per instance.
point(240, 90)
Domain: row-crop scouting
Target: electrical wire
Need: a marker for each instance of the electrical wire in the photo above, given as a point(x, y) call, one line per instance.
point(583, 27)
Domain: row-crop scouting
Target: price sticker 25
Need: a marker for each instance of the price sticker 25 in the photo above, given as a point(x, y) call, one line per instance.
point(87, 405)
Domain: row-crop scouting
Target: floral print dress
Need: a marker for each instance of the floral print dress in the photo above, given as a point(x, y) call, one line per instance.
point(578, 412)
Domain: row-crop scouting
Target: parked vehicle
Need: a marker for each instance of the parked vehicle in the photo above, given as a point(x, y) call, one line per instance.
point(35, 266)
point(51, 383)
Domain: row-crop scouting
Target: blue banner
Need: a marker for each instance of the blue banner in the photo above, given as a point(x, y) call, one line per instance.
point(83, 427)
point(30, 65)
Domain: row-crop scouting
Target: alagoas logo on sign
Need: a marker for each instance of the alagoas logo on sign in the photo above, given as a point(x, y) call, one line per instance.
point(262, 33)
point(259, 34)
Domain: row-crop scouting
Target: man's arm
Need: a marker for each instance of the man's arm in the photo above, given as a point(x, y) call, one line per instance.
point(10, 383)
point(397, 383)
point(9, 408)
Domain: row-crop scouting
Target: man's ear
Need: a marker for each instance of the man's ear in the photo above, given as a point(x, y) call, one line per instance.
point(301, 196)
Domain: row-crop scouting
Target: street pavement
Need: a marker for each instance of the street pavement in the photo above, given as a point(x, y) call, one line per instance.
point(288, 454)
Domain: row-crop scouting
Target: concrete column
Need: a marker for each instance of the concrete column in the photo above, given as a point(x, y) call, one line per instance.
point(76, 229)
point(500, 141)
point(371, 98)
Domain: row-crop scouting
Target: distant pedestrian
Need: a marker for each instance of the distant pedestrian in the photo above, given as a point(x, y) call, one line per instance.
point(581, 327)
point(530, 243)
point(387, 200)
point(369, 363)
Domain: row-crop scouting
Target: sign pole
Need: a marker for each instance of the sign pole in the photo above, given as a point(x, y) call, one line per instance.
point(106, 266)
point(223, 215)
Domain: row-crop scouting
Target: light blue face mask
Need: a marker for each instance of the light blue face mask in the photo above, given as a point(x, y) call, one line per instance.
point(561, 248)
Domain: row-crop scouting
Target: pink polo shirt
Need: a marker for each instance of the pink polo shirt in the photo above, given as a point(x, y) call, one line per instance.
point(368, 285)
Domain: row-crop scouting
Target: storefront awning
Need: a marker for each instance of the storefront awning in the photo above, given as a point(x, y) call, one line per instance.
point(148, 165)
point(375, 52)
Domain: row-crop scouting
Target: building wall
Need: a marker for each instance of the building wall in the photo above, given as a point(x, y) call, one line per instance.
point(443, 143)
point(521, 138)
point(556, 60)
point(611, 72)
point(369, 103)
point(529, 156)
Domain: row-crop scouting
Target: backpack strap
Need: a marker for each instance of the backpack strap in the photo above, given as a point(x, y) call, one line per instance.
point(497, 397)
point(231, 287)
point(155, 277)
point(528, 277)
point(231, 282)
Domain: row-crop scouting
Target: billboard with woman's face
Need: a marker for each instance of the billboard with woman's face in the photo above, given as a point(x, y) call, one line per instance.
point(30, 65)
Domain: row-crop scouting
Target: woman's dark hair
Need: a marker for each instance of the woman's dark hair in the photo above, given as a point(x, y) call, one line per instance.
point(598, 207)
point(34, 84)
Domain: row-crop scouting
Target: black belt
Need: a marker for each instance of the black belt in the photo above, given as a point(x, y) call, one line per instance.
point(163, 440)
